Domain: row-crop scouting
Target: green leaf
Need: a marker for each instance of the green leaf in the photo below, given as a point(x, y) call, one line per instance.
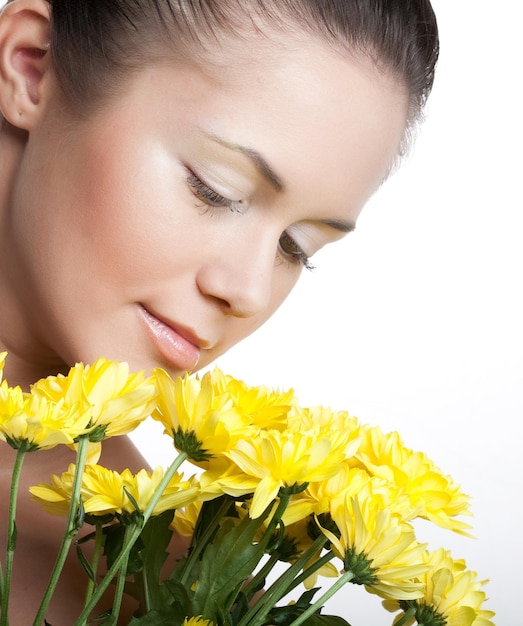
point(286, 618)
point(113, 544)
point(285, 615)
point(211, 515)
point(85, 563)
point(180, 595)
point(155, 538)
point(159, 617)
point(11, 541)
point(226, 565)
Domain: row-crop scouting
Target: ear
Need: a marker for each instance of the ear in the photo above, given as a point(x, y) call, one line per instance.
point(24, 60)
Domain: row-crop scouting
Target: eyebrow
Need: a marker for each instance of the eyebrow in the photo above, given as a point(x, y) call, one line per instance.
point(344, 227)
point(273, 178)
point(264, 168)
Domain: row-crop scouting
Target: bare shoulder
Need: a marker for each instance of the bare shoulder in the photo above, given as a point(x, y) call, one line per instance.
point(120, 453)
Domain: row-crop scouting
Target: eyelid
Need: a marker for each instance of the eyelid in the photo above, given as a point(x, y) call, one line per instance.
point(297, 254)
point(209, 196)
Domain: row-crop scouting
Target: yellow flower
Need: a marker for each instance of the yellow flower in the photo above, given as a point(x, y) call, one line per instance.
point(320, 497)
point(285, 459)
point(106, 492)
point(377, 546)
point(453, 595)
point(55, 497)
point(198, 414)
point(185, 519)
point(323, 418)
point(433, 495)
point(266, 408)
point(227, 478)
point(35, 422)
point(197, 621)
point(116, 400)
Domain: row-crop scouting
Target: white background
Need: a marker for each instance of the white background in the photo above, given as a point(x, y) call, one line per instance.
point(415, 321)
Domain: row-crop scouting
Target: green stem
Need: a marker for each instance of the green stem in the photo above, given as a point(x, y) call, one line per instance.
point(130, 540)
point(98, 544)
point(326, 558)
point(11, 531)
point(260, 576)
point(146, 595)
point(197, 548)
point(406, 617)
point(283, 503)
point(257, 613)
point(70, 531)
point(347, 577)
point(120, 583)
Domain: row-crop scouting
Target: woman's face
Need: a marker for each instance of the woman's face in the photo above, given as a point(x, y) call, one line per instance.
point(174, 222)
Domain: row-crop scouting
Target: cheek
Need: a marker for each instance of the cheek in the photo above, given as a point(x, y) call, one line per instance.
point(283, 282)
point(123, 206)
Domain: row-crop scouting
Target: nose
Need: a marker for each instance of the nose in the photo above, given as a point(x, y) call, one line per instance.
point(240, 280)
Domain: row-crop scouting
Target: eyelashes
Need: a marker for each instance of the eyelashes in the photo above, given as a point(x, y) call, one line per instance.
point(211, 199)
point(292, 250)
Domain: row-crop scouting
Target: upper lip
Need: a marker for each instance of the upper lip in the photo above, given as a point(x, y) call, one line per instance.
point(184, 331)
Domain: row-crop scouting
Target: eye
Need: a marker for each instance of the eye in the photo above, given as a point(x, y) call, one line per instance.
point(292, 251)
point(211, 198)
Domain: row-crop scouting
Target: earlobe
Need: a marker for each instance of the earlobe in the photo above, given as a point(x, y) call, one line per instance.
point(24, 60)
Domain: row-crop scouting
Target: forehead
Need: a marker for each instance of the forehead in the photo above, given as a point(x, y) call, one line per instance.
point(305, 105)
point(327, 122)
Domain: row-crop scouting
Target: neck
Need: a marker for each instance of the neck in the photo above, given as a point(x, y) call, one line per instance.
point(27, 359)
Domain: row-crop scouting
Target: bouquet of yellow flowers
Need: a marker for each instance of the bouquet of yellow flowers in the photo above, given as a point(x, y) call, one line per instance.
point(283, 496)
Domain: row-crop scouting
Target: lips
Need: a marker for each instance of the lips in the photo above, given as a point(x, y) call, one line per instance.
point(178, 345)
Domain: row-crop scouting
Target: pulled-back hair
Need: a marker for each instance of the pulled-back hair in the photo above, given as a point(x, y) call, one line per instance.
point(97, 42)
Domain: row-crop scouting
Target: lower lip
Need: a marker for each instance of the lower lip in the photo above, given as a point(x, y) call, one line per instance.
point(178, 351)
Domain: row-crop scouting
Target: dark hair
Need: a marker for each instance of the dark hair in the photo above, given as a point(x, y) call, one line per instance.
point(97, 42)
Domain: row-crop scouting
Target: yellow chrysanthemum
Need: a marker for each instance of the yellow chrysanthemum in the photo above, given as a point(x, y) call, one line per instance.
point(323, 423)
point(453, 595)
point(320, 497)
point(55, 497)
point(106, 492)
point(185, 518)
point(35, 422)
point(117, 401)
point(378, 547)
point(433, 495)
point(265, 408)
point(323, 418)
point(197, 621)
point(285, 459)
point(201, 418)
point(237, 479)
point(226, 477)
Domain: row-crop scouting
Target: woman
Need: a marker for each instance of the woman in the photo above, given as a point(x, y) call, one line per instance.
point(167, 171)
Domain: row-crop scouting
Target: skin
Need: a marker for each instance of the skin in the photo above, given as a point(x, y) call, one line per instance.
point(154, 231)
